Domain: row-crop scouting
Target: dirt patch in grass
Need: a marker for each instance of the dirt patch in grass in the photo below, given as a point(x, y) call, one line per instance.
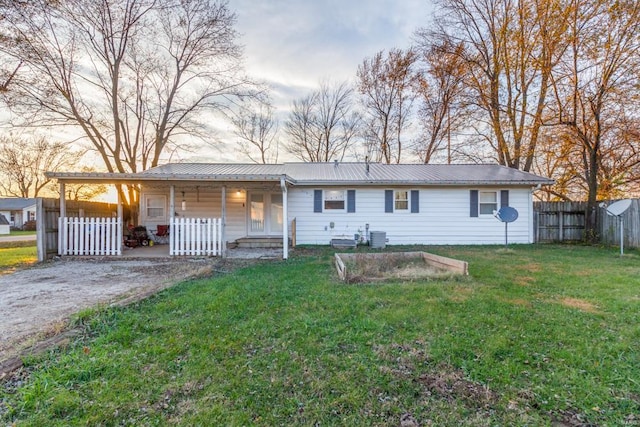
point(442, 381)
point(570, 418)
point(461, 294)
point(450, 384)
point(580, 305)
point(518, 301)
point(532, 267)
point(524, 280)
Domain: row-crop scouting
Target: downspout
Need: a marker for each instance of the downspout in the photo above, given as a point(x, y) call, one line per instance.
point(120, 226)
point(223, 222)
point(533, 221)
point(285, 220)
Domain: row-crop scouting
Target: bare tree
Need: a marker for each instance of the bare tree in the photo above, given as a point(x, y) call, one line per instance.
point(386, 84)
point(24, 162)
point(509, 48)
point(592, 85)
point(132, 75)
point(257, 130)
point(7, 75)
point(439, 88)
point(322, 126)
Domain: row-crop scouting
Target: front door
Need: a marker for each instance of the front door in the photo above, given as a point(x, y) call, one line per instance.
point(265, 214)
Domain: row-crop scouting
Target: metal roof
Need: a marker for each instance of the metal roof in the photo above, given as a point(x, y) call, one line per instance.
point(211, 169)
point(380, 173)
point(325, 174)
point(16, 203)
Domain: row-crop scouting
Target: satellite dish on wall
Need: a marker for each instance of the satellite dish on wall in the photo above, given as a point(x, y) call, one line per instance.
point(617, 209)
point(506, 214)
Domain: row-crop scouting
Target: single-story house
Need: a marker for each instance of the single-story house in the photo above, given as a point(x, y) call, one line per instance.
point(18, 210)
point(313, 203)
point(4, 225)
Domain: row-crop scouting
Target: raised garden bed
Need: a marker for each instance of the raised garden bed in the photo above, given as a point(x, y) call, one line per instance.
point(372, 267)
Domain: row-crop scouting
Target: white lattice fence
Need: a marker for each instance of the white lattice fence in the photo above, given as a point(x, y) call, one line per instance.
point(89, 236)
point(195, 236)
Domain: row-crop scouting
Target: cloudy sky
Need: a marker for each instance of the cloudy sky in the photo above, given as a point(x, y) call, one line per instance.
point(293, 44)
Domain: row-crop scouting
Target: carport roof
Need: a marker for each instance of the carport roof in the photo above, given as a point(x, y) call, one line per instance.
point(333, 173)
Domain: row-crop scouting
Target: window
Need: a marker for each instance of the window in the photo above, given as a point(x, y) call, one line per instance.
point(401, 200)
point(334, 199)
point(155, 207)
point(488, 202)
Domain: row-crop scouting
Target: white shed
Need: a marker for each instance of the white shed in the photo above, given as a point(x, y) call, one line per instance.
point(4, 225)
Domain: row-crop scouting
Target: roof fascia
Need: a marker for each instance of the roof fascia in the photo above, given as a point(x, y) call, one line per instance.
point(133, 178)
point(421, 183)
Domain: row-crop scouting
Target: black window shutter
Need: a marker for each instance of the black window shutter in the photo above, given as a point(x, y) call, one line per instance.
point(415, 201)
point(317, 200)
point(388, 200)
point(504, 198)
point(473, 203)
point(351, 201)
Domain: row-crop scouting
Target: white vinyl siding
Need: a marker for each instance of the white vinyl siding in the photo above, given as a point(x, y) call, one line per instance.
point(443, 218)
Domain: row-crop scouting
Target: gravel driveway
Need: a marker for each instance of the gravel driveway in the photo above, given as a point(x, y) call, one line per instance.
point(38, 301)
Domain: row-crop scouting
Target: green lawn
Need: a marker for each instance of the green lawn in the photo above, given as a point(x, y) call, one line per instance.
point(538, 335)
point(12, 257)
point(22, 233)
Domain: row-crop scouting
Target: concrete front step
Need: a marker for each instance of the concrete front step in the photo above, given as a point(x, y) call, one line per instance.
point(259, 242)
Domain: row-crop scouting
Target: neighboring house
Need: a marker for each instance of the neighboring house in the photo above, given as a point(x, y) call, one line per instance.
point(18, 210)
point(4, 225)
point(315, 202)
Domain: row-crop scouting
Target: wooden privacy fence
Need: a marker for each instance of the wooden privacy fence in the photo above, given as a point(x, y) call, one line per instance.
point(559, 221)
point(89, 236)
point(565, 221)
point(609, 226)
point(195, 236)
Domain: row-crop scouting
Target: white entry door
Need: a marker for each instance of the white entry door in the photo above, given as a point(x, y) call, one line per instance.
point(265, 214)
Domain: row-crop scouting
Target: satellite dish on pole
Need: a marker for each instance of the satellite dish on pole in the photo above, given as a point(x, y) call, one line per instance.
point(506, 214)
point(617, 209)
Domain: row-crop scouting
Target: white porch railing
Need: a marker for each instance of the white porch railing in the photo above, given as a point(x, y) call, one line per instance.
point(195, 236)
point(89, 236)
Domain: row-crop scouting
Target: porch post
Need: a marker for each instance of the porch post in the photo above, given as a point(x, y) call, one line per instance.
point(223, 221)
point(62, 243)
point(172, 202)
point(120, 219)
point(285, 220)
point(63, 202)
point(172, 214)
